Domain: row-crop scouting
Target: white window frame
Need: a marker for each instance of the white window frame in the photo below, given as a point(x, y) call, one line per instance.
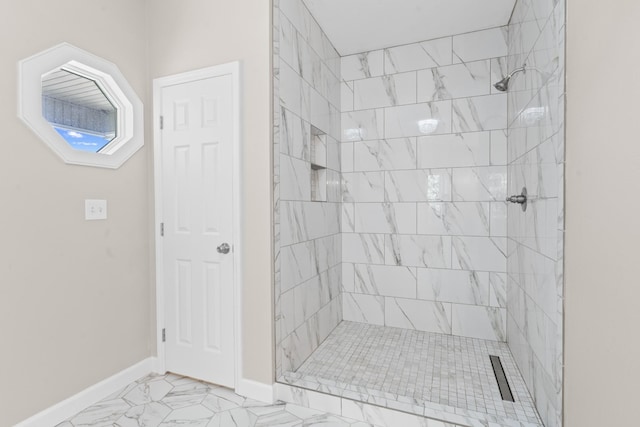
point(130, 119)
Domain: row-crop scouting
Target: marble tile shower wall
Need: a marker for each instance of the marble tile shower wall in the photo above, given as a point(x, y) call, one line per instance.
point(536, 160)
point(307, 184)
point(424, 155)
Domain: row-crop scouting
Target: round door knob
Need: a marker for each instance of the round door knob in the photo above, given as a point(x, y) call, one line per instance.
point(224, 248)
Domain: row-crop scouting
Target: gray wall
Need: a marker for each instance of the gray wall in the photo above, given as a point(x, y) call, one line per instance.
point(76, 297)
point(75, 300)
point(602, 348)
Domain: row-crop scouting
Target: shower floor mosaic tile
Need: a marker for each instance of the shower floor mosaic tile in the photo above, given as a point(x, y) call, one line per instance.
point(418, 372)
point(171, 400)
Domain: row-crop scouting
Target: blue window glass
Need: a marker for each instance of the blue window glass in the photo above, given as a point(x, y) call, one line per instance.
point(82, 140)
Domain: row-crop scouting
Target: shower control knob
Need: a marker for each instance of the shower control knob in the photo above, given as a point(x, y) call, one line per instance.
point(517, 199)
point(521, 199)
point(223, 248)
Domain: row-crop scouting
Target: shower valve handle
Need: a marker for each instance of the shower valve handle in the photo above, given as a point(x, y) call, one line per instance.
point(517, 199)
point(521, 199)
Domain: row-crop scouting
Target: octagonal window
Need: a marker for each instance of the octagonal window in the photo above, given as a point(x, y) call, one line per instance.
point(81, 106)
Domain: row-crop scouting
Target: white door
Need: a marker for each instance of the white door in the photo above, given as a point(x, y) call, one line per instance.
point(197, 205)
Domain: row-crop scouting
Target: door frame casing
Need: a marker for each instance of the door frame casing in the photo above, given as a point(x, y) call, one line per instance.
point(234, 70)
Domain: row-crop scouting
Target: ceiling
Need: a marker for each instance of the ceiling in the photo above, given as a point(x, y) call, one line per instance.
point(355, 26)
point(65, 86)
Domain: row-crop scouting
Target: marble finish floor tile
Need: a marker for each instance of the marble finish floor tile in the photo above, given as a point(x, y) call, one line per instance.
point(418, 372)
point(171, 400)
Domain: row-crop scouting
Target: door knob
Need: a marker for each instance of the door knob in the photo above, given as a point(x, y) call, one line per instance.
point(223, 248)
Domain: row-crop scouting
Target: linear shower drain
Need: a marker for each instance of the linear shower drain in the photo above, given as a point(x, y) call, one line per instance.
point(501, 378)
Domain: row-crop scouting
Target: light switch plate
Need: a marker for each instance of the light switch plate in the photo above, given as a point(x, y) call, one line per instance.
point(95, 209)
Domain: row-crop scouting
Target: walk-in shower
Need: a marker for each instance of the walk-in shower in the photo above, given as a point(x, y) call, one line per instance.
point(406, 284)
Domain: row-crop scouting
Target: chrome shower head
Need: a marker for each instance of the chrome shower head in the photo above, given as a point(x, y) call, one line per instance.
point(503, 85)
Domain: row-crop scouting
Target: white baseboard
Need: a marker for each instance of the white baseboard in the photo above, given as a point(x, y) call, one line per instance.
point(255, 390)
point(71, 406)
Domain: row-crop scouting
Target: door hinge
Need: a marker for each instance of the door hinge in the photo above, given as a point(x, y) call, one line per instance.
point(161, 122)
point(162, 229)
point(164, 335)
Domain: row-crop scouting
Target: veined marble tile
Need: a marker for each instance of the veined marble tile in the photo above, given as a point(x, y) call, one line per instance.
point(535, 273)
point(334, 186)
point(483, 44)
point(287, 320)
point(454, 286)
point(290, 89)
point(363, 308)
point(385, 280)
point(417, 56)
point(454, 150)
point(309, 63)
point(333, 154)
point(479, 253)
point(329, 316)
point(383, 155)
point(307, 300)
point(102, 414)
point(418, 315)
point(308, 398)
point(302, 221)
point(333, 87)
point(296, 13)
point(454, 219)
point(498, 219)
point(498, 282)
point(362, 65)
point(346, 96)
point(362, 125)
point(389, 218)
point(294, 135)
point(295, 179)
point(287, 41)
point(320, 111)
point(363, 248)
point(300, 344)
point(499, 147)
point(293, 223)
point(480, 184)
point(479, 113)
point(148, 392)
point(455, 81)
point(421, 185)
point(348, 277)
point(186, 395)
point(234, 418)
point(346, 157)
point(385, 91)
point(487, 323)
point(363, 187)
point(149, 415)
point(429, 118)
point(348, 224)
point(418, 251)
point(327, 251)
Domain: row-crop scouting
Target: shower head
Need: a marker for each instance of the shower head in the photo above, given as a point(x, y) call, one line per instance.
point(503, 85)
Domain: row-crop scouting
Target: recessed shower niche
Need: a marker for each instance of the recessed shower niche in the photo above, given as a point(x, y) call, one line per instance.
point(402, 270)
